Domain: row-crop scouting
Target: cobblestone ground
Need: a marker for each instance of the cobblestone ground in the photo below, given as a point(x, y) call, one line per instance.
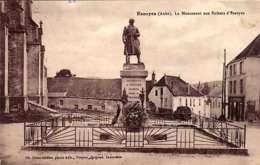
point(11, 140)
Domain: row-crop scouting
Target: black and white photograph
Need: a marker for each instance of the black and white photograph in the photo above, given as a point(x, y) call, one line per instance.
point(122, 82)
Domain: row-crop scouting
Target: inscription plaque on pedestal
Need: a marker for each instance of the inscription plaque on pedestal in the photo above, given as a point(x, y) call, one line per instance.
point(133, 81)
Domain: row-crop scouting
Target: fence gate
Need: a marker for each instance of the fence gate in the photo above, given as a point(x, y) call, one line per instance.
point(134, 137)
point(185, 138)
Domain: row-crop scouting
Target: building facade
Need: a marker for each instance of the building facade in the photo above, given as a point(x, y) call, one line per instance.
point(84, 93)
point(73, 93)
point(215, 100)
point(243, 82)
point(171, 92)
point(22, 71)
point(213, 91)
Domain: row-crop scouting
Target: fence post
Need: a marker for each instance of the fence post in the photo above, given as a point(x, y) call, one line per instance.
point(177, 137)
point(227, 134)
point(194, 131)
point(143, 137)
point(37, 139)
point(24, 134)
point(92, 134)
point(126, 136)
point(244, 136)
point(75, 136)
point(41, 134)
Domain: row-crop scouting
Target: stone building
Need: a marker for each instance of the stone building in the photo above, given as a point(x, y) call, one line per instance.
point(213, 91)
point(23, 75)
point(215, 97)
point(87, 93)
point(243, 82)
point(171, 92)
point(84, 93)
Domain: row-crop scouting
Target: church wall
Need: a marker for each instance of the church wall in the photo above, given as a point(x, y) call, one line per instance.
point(33, 70)
point(16, 62)
point(2, 59)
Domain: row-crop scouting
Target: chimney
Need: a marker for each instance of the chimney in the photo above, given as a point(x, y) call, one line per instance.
point(153, 78)
point(188, 88)
point(199, 87)
point(40, 32)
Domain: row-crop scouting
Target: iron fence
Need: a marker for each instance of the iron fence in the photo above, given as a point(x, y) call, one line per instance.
point(84, 131)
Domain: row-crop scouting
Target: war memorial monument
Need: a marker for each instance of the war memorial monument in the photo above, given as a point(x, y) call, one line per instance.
point(130, 128)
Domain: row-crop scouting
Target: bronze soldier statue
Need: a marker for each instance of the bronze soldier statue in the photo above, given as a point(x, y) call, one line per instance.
point(131, 42)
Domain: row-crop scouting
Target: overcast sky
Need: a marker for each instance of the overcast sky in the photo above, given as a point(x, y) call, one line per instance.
point(85, 36)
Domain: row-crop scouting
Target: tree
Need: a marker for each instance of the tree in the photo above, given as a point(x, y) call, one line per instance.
point(182, 113)
point(150, 107)
point(64, 73)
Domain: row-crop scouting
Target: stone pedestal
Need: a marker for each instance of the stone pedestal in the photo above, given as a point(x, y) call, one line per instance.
point(133, 81)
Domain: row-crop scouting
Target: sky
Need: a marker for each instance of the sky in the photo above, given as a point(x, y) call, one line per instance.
point(86, 36)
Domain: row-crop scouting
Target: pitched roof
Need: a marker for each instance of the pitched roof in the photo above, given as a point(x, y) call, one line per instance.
point(252, 50)
point(177, 86)
point(58, 85)
point(86, 87)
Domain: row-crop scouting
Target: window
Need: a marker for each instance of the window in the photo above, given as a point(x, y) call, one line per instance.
point(234, 68)
point(194, 102)
point(230, 87)
point(76, 106)
point(230, 70)
point(219, 104)
point(186, 102)
point(165, 102)
point(161, 91)
point(61, 102)
point(190, 102)
point(89, 106)
point(156, 92)
point(180, 101)
point(241, 67)
point(199, 101)
point(241, 86)
point(235, 87)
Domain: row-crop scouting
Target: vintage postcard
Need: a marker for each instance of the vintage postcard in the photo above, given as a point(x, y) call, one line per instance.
point(129, 82)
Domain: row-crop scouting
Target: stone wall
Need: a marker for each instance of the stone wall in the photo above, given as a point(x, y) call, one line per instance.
point(2, 59)
point(82, 104)
point(15, 62)
point(25, 57)
point(33, 69)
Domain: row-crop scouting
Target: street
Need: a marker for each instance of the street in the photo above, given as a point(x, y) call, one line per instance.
point(12, 141)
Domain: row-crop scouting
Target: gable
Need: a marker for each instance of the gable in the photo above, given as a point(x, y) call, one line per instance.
point(177, 86)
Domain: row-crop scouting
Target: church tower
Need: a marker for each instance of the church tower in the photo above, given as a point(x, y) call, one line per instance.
point(22, 68)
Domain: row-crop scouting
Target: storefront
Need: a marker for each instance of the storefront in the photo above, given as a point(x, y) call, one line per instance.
point(236, 108)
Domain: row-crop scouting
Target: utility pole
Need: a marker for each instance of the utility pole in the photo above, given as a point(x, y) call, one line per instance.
point(223, 100)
